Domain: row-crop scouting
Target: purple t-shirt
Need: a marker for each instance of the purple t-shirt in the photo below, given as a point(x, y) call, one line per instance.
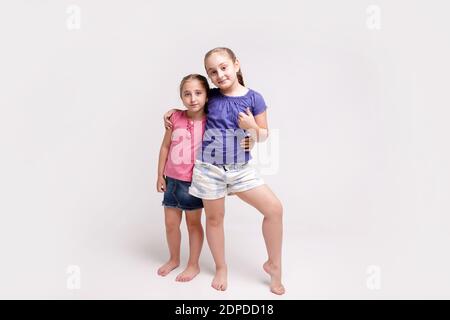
point(221, 140)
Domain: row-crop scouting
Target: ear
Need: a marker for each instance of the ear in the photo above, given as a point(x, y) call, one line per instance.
point(237, 65)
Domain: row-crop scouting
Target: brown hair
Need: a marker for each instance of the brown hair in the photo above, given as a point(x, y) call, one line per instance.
point(232, 56)
point(203, 81)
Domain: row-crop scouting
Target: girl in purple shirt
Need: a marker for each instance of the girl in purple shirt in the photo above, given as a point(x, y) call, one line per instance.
point(222, 168)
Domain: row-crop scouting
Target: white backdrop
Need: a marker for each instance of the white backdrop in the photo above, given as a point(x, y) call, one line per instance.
point(357, 92)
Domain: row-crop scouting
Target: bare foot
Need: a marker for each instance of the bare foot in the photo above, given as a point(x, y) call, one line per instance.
point(275, 278)
point(165, 269)
point(220, 279)
point(188, 274)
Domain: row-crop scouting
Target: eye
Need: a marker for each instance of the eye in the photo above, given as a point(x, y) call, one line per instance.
point(186, 94)
point(224, 68)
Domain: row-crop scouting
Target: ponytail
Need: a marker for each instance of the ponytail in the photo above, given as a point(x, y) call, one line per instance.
point(240, 77)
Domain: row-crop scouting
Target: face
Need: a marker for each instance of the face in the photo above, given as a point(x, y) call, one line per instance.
point(194, 95)
point(221, 70)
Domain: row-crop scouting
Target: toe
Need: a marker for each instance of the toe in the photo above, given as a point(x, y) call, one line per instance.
point(278, 290)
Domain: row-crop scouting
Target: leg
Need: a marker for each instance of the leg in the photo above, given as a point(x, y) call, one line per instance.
point(195, 230)
point(265, 201)
point(173, 234)
point(215, 211)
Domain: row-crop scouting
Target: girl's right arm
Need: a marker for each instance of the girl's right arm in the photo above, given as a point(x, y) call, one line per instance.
point(163, 155)
point(166, 117)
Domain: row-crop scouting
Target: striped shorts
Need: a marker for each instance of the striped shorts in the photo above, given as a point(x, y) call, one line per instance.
point(211, 182)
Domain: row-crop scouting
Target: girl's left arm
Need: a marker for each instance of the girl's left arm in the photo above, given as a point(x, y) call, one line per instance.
point(261, 129)
point(256, 126)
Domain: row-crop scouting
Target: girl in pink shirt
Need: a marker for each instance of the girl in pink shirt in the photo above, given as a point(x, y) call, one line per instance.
point(176, 162)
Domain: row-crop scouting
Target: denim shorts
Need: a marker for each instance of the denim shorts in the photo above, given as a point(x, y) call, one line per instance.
point(177, 195)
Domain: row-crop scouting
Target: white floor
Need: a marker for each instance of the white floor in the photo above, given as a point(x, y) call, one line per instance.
point(119, 251)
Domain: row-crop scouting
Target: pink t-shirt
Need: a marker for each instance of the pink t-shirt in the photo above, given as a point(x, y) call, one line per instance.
point(187, 135)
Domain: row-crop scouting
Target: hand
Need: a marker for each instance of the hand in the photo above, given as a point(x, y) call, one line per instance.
point(247, 143)
point(167, 123)
point(161, 184)
point(246, 120)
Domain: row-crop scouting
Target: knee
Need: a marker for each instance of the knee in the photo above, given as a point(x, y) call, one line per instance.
point(274, 209)
point(214, 220)
point(172, 225)
point(193, 224)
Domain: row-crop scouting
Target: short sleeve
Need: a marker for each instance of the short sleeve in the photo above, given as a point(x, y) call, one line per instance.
point(259, 105)
point(175, 116)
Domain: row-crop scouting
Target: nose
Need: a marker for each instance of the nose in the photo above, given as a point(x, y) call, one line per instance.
point(220, 74)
